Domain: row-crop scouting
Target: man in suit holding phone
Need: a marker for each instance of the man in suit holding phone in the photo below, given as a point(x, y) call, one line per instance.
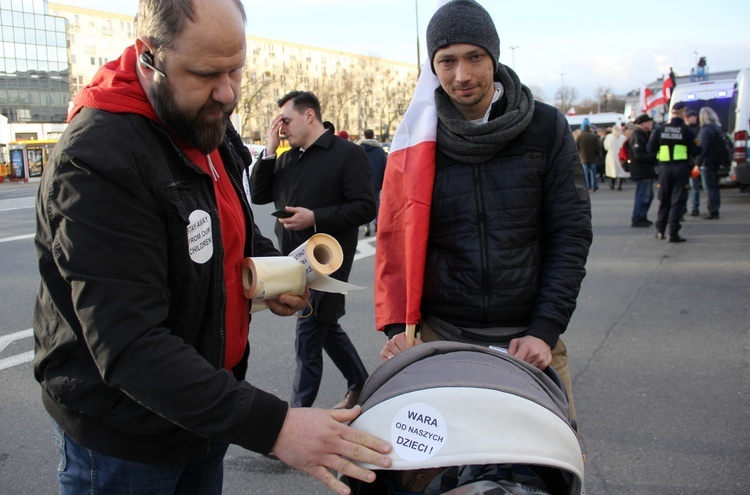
point(325, 184)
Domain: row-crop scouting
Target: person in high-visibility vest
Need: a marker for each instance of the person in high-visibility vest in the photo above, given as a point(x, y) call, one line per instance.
point(674, 144)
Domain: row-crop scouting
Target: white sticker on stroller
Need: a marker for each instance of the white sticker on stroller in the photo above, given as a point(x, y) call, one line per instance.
point(418, 432)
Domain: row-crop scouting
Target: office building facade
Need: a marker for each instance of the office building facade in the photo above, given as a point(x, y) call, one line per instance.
point(34, 84)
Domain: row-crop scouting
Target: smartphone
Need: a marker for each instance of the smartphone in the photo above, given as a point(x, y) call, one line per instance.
point(282, 214)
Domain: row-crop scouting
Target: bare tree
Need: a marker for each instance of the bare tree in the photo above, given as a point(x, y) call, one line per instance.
point(565, 97)
point(538, 92)
point(255, 94)
point(397, 98)
point(586, 106)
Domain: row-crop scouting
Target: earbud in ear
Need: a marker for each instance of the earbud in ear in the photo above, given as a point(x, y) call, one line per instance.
point(147, 60)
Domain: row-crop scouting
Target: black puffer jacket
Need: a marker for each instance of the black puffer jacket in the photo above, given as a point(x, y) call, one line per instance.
point(509, 238)
point(642, 163)
point(118, 194)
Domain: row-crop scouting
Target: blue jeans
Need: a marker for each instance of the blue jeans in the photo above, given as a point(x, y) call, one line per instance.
point(83, 470)
point(589, 171)
point(644, 195)
point(695, 193)
point(710, 178)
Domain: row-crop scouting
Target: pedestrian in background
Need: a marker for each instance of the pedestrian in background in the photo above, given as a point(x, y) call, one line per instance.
point(642, 170)
point(673, 143)
point(141, 336)
point(691, 119)
point(589, 147)
point(614, 171)
point(377, 157)
point(602, 132)
point(325, 183)
point(710, 137)
point(507, 228)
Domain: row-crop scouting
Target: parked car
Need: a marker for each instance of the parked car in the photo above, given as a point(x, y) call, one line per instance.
point(741, 128)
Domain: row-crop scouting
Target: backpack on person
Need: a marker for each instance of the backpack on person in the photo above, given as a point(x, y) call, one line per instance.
point(624, 155)
point(723, 150)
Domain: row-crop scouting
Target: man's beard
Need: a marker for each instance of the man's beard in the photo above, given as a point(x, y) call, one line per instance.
point(193, 127)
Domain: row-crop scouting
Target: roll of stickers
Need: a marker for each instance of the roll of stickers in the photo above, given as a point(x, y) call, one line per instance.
point(307, 266)
point(266, 278)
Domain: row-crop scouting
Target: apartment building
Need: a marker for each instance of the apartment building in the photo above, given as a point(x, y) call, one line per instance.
point(356, 91)
point(95, 37)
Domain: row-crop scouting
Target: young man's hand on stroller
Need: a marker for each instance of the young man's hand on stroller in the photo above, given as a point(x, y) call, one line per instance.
point(317, 441)
point(531, 349)
point(396, 345)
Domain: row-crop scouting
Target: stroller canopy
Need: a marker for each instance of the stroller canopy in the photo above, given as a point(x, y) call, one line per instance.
point(451, 404)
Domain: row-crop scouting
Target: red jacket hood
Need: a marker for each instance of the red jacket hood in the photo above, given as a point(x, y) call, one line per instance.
point(115, 88)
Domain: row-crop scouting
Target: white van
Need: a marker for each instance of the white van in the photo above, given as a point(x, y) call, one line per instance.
point(714, 94)
point(741, 127)
point(607, 119)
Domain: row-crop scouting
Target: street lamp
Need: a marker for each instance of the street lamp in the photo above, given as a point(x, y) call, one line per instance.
point(416, 20)
point(513, 52)
point(562, 92)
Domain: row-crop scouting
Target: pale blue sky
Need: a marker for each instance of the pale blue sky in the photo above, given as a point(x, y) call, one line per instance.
point(593, 43)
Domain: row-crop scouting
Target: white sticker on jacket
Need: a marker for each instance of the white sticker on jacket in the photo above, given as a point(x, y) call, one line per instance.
point(200, 237)
point(246, 186)
point(418, 432)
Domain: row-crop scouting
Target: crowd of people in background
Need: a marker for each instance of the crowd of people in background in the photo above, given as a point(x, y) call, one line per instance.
point(682, 156)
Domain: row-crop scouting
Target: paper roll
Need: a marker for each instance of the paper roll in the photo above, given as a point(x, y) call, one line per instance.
point(320, 254)
point(307, 266)
point(266, 278)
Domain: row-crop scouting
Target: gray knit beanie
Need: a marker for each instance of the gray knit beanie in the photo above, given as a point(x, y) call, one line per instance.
point(462, 21)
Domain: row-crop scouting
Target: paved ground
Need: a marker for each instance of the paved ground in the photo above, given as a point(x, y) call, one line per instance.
point(659, 346)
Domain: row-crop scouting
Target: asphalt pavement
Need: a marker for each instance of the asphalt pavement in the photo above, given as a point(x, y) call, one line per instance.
point(659, 348)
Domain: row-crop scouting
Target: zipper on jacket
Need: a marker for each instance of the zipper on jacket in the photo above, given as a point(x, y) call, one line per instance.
point(482, 240)
point(219, 277)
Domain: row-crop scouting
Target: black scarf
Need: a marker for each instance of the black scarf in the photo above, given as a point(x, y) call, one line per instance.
point(471, 143)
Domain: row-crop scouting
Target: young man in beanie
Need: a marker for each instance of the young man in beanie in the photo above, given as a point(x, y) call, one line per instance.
point(675, 147)
point(510, 215)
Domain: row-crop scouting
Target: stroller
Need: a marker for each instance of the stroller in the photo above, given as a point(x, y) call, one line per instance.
point(477, 410)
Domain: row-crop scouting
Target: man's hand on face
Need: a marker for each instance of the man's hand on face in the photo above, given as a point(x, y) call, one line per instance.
point(273, 140)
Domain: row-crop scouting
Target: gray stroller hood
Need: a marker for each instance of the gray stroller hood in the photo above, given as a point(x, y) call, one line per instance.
point(451, 404)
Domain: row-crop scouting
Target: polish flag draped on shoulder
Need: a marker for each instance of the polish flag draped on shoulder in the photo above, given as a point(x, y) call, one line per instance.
point(404, 215)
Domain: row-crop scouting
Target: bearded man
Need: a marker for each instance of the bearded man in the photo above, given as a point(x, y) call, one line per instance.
point(141, 326)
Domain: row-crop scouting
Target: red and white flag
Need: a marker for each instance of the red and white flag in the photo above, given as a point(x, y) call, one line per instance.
point(666, 88)
point(405, 201)
point(650, 100)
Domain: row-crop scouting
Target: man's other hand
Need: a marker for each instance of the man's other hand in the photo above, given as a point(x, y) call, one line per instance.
point(316, 441)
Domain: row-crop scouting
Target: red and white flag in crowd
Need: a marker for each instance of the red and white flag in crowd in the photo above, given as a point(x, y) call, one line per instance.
point(650, 100)
point(405, 201)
